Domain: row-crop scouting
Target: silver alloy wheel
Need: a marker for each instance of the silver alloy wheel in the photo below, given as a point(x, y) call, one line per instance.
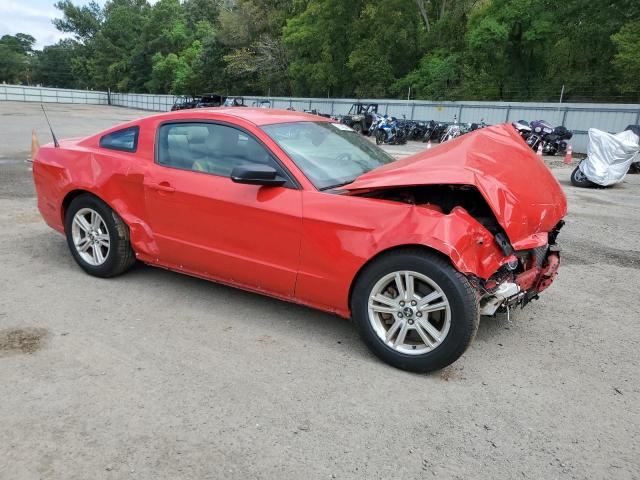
point(409, 312)
point(90, 236)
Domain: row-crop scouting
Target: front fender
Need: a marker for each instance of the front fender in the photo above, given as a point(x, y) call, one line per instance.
point(342, 234)
point(470, 246)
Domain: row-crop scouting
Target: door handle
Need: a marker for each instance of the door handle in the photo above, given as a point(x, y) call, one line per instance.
point(162, 186)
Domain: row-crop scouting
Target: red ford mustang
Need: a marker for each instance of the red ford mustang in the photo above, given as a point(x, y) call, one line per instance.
point(304, 209)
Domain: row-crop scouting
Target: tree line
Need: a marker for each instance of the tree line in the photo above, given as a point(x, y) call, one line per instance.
point(515, 50)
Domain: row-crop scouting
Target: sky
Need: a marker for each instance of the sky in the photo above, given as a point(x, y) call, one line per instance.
point(33, 17)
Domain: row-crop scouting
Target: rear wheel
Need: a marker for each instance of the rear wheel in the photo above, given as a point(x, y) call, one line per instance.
point(414, 310)
point(579, 179)
point(97, 237)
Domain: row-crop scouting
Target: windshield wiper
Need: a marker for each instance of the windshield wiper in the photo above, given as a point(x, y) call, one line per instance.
point(331, 187)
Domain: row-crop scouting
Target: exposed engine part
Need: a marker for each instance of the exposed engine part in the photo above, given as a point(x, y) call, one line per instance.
point(504, 244)
point(512, 265)
point(445, 198)
point(501, 295)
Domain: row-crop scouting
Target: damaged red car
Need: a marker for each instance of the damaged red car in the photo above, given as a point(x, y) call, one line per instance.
point(304, 209)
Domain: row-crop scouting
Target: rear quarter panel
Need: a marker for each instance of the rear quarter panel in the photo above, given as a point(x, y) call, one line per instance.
point(105, 173)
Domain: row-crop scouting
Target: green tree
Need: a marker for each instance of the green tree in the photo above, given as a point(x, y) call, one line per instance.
point(16, 58)
point(627, 58)
point(82, 21)
point(438, 49)
point(54, 65)
point(319, 40)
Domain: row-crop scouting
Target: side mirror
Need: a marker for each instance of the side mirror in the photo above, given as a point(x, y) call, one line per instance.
point(257, 174)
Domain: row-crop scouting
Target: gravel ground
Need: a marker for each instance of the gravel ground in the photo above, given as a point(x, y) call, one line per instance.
point(158, 375)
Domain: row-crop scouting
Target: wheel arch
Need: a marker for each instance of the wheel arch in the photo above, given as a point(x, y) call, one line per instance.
point(411, 247)
point(71, 195)
point(140, 234)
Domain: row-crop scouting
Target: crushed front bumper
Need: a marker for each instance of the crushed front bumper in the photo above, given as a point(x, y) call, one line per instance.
point(519, 282)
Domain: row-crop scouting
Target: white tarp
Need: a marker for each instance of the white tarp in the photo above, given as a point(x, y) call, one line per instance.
point(609, 156)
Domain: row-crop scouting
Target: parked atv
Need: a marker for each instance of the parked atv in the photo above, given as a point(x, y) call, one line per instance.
point(361, 116)
point(185, 102)
point(234, 102)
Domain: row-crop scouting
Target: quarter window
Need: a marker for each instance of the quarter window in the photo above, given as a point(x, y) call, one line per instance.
point(125, 139)
point(209, 148)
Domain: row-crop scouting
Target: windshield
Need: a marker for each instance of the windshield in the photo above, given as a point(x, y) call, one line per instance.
point(329, 154)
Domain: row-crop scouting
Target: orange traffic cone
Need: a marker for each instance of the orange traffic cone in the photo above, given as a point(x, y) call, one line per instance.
point(428, 144)
point(35, 144)
point(539, 151)
point(568, 157)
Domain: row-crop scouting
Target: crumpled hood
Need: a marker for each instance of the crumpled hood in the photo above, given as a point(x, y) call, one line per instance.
point(525, 197)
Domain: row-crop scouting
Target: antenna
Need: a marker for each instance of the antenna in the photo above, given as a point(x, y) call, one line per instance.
point(55, 140)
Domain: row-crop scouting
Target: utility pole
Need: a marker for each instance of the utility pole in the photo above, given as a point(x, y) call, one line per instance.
point(561, 93)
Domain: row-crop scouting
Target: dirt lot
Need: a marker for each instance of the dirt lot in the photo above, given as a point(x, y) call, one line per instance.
point(158, 375)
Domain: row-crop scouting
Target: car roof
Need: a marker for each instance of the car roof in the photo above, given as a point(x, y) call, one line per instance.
point(257, 116)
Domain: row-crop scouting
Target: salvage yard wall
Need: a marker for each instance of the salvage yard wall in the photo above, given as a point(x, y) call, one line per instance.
point(578, 117)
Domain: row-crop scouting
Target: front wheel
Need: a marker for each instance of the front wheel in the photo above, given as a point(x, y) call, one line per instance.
point(414, 310)
point(380, 135)
point(97, 237)
point(357, 127)
point(579, 179)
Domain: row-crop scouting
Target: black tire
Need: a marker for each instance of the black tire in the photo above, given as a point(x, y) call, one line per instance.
point(120, 256)
point(357, 127)
point(578, 179)
point(462, 299)
point(380, 137)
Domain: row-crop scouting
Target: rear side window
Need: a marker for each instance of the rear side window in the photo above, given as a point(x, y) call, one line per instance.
point(125, 139)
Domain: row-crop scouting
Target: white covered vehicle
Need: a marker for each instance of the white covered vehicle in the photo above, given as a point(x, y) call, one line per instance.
point(609, 157)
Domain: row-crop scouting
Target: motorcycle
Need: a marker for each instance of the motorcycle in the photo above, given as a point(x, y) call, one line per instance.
point(387, 130)
point(470, 127)
point(523, 128)
point(609, 157)
point(539, 130)
point(635, 166)
point(556, 141)
point(376, 120)
point(429, 128)
point(452, 131)
point(416, 130)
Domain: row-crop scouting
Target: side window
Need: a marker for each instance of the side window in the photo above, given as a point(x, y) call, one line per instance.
point(125, 139)
point(209, 148)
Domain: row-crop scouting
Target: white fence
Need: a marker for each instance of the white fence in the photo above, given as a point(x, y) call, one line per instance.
point(144, 101)
point(52, 95)
point(578, 117)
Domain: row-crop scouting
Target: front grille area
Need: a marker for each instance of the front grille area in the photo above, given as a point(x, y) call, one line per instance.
point(538, 255)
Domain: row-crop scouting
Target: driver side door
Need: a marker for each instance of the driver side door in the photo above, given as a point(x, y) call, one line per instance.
point(207, 225)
